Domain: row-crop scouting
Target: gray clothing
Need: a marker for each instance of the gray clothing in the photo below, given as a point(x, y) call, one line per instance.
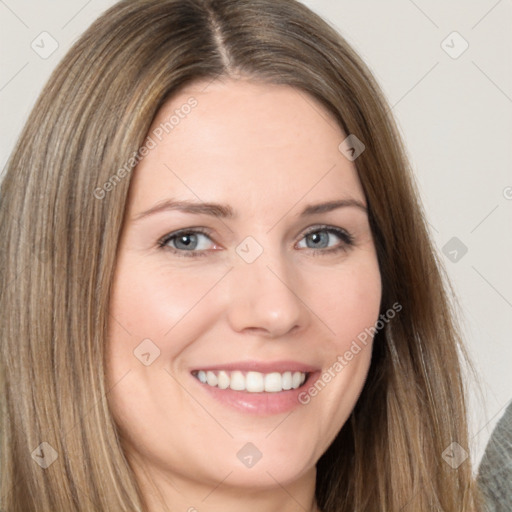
point(495, 471)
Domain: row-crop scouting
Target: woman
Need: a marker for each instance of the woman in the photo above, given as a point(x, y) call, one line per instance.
point(218, 290)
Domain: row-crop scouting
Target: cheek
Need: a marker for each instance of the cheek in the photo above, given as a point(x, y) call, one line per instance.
point(151, 312)
point(349, 300)
point(349, 304)
point(151, 303)
point(159, 305)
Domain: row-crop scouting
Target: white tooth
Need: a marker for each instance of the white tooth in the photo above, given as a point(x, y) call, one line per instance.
point(223, 380)
point(254, 382)
point(273, 382)
point(287, 380)
point(296, 380)
point(211, 378)
point(237, 381)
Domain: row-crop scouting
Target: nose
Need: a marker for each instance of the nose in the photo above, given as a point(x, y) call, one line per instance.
point(265, 298)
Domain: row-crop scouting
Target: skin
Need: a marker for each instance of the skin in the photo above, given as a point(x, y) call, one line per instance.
point(267, 151)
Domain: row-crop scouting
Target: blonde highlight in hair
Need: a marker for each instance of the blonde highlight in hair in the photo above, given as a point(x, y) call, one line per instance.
point(60, 242)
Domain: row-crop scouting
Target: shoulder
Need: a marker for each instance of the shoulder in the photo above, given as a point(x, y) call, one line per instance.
point(495, 471)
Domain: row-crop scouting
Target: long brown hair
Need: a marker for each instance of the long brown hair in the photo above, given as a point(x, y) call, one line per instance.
point(62, 205)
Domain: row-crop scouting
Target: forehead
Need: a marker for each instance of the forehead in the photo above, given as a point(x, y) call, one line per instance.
point(230, 140)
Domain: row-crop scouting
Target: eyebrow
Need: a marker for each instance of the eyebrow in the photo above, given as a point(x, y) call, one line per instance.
point(226, 212)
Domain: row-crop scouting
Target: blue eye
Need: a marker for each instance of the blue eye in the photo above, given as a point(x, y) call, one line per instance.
point(186, 241)
point(324, 237)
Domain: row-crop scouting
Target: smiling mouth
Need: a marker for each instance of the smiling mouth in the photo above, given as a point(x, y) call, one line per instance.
point(251, 382)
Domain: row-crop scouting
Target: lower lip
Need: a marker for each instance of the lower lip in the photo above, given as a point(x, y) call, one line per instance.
point(262, 404)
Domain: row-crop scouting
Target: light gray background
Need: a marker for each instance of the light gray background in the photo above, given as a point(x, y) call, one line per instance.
point(455, 115)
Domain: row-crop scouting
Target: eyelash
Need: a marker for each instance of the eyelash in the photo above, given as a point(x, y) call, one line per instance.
point(346, 238)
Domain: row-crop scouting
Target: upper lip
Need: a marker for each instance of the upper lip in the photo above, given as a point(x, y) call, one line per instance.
point(260, 366)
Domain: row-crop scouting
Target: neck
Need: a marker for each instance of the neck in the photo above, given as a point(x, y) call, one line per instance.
point(166, 493)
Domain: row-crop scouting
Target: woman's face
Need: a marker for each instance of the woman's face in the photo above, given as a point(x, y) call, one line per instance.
point(246, 259)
